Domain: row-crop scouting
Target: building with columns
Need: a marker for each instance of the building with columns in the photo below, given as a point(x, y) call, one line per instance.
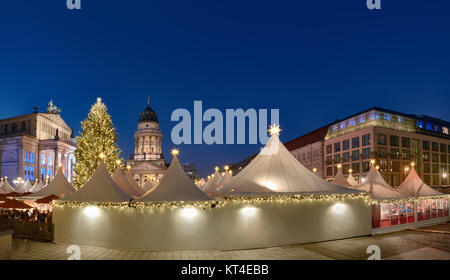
point(32, 146)
point(147, 162)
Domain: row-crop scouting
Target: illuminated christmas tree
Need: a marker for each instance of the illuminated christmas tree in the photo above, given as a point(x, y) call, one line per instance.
point(98, 140)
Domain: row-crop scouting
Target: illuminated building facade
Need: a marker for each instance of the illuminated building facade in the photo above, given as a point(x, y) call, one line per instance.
point(32, 146)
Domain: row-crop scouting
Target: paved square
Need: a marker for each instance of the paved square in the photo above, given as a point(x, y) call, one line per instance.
point(427, 243)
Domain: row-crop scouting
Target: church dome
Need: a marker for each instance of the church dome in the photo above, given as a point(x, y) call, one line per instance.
point(148, 115)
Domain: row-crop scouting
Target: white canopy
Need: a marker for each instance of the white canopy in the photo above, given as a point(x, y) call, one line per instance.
point(274, 169)
point(58, 186)
point(122, 182)
point(132, 182)
point(414, 186)
point(148, 185)
point(175, 186)
point(352, 180)
point(37, 187)
point(226, 178)
point(213, 183)
point(377, 187)
point(25, 187)
point(6, 187)
point(100, 188)
point(340, 180)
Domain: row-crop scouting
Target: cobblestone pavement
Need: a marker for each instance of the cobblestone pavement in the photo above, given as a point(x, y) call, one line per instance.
point(408, 244)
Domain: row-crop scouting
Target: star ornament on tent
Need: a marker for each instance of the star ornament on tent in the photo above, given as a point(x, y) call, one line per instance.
point(274, 129)
point(175, 152)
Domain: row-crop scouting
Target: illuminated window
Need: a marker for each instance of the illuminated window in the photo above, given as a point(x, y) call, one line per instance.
point(445, 130)
point(387, 116)
point(342, 125)
point(351, 122)
point(429, 126)
point(419, 123)
point(400, 119)
point(362, 118)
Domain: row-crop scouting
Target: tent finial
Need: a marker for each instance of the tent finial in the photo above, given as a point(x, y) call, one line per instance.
point(274, 129)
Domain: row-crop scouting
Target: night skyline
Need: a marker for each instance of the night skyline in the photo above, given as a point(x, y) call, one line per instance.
point(316, 63)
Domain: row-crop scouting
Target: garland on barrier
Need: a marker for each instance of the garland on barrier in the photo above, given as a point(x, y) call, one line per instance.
point(213, 203)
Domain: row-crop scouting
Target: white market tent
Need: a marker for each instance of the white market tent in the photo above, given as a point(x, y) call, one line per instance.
point(132, 182)
point(226, 178)
point(122, 182)
point(6, 187)
point(340, 180)
point(175, 186)
point(25, 187)
point(274, 169)
point(352, 180)
point(100, 188)
point(148, 185)
point(37, 187)
point(213, 183)
point(58, 186)
point(414, 186)
point(377, 187)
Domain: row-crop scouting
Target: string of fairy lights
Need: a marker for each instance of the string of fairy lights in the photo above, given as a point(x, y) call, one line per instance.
point(220, 203)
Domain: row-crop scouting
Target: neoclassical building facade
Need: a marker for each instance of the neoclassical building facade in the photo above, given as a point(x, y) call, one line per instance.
point(147, 162)
point(32, 146)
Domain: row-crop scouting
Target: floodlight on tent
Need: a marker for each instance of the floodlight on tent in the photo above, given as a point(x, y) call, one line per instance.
point(339, 166)
point(128, 167)
point(226, 167)
point(377, 167)
point(363, 180)
point(314, 170)
point(413, 164)
point(372, 162)
point(216, 169)
point(444, 175)
point(249, 210)
point(189, 212)
point(102, 156)
point(118, 162)
point(406, 169)
point(91, 211)
point(339, 208)
point(230, 172)
point(350, 171)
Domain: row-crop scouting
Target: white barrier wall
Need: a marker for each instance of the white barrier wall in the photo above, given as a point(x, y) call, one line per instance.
point(235, 225)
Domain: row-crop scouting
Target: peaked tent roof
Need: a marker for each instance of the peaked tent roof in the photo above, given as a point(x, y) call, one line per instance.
point(274, 169)
point(100, 188)
point(148, 186)
point(340, 180)
point(225, 179)
point(25, 187)
point(213, 183)
point(122, 182)
point(37, 187)
point(377, 187)
point(175, 186)
point(6, 187)
point(58, 186)
point(132, 182)
point(414, 186)
point(352, 180)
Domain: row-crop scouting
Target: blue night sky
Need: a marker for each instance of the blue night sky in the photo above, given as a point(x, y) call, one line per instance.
point(316, 61)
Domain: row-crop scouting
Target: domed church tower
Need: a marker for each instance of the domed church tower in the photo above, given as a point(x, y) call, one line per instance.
point(148, 161)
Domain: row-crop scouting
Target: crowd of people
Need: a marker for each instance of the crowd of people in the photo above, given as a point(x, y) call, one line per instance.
point(31, 215)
